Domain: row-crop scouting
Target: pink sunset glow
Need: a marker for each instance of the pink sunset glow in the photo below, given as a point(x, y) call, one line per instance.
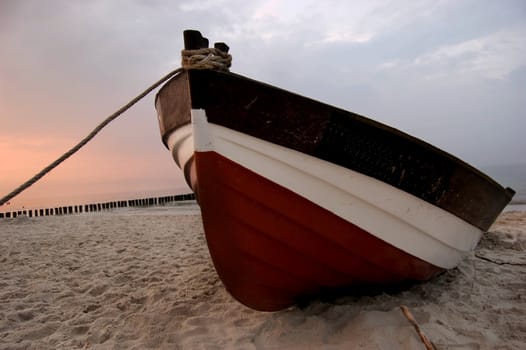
point(102, 170)
point(67, 65)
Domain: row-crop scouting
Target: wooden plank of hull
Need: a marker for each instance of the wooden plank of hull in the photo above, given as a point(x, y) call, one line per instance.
point(398, 218)
point(271, 246)
point(339, 137)
point(299, 197)
point(260, 219)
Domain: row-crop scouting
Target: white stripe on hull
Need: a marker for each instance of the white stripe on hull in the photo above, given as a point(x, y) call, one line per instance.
point(397, 217)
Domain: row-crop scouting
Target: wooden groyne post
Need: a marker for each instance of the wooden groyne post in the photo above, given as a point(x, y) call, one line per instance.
point(96, 207)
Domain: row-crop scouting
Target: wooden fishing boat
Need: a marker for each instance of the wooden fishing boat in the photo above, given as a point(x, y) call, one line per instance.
point(300, 198)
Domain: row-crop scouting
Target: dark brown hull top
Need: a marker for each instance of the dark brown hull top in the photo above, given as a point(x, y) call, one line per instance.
point(334, 135)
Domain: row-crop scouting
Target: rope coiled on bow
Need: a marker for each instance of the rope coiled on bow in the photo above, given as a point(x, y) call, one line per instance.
point(206, 58)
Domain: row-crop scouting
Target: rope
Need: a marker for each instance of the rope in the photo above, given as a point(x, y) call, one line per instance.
point(87, 138)
point(210, 58)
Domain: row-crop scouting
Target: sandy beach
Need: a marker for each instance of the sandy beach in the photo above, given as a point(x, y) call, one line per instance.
point(144, 280)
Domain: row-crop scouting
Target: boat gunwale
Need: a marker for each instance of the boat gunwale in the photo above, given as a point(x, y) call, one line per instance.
point(361, 118)
point(435, 175)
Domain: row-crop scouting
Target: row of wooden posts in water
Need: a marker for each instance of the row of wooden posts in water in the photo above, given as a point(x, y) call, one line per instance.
point(87, 208)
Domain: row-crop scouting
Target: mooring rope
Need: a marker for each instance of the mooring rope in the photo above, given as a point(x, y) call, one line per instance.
point(87, 138)
point(210, 58)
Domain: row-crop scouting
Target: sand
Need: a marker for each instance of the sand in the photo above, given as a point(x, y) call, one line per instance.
point(144, 281)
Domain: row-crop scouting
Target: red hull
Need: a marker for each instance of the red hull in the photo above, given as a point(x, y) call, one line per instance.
point(271, 246)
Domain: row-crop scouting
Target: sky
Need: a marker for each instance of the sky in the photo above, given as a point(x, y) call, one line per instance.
point(452, 73)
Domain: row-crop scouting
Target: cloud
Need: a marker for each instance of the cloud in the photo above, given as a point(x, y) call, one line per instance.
point(312, 22)
point(203, 5)
point(493, 56)
point(450, 72)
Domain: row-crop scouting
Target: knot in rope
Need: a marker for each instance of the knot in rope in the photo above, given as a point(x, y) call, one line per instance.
point(207, 58)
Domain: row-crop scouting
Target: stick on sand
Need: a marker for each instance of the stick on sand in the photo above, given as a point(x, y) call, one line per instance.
point(429, 345)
